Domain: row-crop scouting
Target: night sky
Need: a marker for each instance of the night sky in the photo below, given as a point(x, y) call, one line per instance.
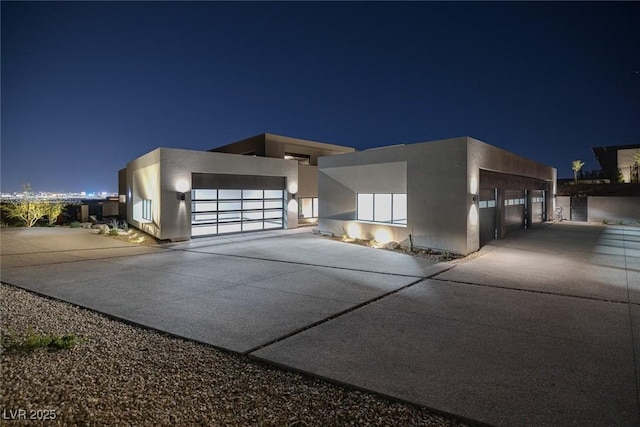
point(87, 86)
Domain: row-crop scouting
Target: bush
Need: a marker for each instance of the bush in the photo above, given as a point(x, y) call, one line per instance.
point(32, 340)
point(75, 224)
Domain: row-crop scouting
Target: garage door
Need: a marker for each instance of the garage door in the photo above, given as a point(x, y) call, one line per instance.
point(487, 207)
point(220, 211)
point(514, 210)
point(537, 206)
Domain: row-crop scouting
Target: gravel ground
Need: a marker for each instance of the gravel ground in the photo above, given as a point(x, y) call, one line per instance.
point(120, 374)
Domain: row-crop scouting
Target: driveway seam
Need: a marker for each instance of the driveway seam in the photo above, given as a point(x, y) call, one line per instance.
point(341, 313)
point(527, 290)
point(308, 264)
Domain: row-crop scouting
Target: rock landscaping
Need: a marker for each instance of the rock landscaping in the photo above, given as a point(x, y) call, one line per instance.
point(118, 374)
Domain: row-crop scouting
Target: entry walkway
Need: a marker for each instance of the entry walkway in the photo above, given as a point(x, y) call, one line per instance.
point(540, 329)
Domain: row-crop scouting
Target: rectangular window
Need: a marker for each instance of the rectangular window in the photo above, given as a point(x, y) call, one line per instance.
point(365, 207)
point(307, 207)
point(400, 209)
point(382, 207)
point(146, 210)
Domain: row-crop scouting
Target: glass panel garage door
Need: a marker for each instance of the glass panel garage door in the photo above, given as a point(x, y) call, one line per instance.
point(235, 211)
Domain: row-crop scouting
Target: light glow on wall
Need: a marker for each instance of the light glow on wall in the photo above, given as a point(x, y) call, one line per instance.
point(353, 230)
point(383, 235)
point(473, 185)
point(292, 205)
point(473, 214)
point(293, 187)
point(182, 186)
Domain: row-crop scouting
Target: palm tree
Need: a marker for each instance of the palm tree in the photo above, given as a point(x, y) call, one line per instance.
point(576, 166)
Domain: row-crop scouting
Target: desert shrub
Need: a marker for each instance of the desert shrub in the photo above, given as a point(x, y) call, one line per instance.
point(33, 340)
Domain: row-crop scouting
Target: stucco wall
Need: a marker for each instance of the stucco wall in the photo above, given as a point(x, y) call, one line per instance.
point(307, 181)
point(613, 209)
point(440, 177)
point(172, 216)
point(143, 181)
point(432, 174)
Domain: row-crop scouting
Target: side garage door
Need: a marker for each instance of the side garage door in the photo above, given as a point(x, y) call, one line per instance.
point(537, 206)
point(487, 206)
point(219, 211)
point(514, 210)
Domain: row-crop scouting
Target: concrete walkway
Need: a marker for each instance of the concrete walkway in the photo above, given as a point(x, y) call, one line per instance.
point(540, 329)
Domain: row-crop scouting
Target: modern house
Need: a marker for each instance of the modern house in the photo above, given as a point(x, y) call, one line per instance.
point(453, 194)
point(618, 162)
point(260, 183)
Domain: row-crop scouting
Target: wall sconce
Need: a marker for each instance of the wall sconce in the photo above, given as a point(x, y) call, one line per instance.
point(182, 187)
point(475, 198)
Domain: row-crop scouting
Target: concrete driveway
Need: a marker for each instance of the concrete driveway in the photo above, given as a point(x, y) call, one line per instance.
point(540, 329)
point(543, 328)
point(237, 293)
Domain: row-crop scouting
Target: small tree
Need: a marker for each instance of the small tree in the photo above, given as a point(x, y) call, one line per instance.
point(576, 166)
point(30, 210)
point(27, 210)
point(52, 209)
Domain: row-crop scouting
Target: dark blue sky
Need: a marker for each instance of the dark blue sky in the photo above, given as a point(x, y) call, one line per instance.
point(88, 86)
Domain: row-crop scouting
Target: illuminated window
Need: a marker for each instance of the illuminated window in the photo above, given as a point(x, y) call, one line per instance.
point(146, 209)
point(382, 207)
point(307, 207)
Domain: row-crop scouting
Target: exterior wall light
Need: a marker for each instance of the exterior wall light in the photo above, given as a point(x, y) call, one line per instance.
point(182, 187)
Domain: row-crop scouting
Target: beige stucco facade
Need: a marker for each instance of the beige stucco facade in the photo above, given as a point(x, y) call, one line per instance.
point(163, 174)
point(441, 180)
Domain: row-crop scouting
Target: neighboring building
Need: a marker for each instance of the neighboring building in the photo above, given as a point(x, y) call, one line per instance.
point(264, 182)
point(454, 194)
point(618, 162)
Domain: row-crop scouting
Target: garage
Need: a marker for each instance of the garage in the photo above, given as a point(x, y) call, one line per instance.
point(220, 211)
point(222, 204)
point(537, 206)
point(514, 210)
point(487, 207)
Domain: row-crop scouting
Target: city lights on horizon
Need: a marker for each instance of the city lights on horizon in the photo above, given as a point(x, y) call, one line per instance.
point(47, 195)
